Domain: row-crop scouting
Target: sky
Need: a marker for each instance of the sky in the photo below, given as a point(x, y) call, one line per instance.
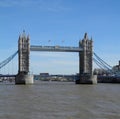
point(64, 23)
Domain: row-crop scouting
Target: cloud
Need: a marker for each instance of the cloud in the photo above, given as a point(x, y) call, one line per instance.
point(43, 5)
point(17, 3)
point(55, 66)
point(54, 55)
point(52, 62)
point(9, 3)
point(64, 63)
point(45, 54)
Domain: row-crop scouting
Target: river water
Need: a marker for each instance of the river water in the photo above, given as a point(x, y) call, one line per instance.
point(59, 100)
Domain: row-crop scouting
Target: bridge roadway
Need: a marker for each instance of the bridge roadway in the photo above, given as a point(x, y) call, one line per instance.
point(55, 48)
point(7, 75)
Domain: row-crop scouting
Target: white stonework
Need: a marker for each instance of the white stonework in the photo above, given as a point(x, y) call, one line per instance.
point(29, 79)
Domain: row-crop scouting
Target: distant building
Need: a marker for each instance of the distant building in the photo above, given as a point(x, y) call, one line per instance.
point(117, 67)
point(44, 74)
point(98, 71)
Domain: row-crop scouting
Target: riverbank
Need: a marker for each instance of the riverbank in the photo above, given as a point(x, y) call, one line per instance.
point(108, 79)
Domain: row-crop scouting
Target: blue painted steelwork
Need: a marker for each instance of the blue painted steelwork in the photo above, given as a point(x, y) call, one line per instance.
point(6, 61)
point(106, 65)
point(103, 65)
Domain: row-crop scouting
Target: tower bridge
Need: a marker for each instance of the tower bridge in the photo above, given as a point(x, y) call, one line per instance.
point(85, 51)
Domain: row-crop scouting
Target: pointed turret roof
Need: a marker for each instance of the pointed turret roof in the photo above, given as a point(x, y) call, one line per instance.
point(23, 34)
point(85, 36)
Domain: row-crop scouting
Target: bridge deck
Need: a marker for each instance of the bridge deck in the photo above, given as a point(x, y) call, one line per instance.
point(55, 48)
point(7, 75)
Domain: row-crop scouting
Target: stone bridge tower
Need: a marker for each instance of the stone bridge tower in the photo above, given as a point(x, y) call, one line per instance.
point(86, 61)
point(24, 53)
point(23, 76)
point(86, 55)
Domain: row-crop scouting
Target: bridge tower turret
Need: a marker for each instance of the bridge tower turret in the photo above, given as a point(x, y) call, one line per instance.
point(23, 60)
point(85, 61)
point(24, 52)
point(86, 55)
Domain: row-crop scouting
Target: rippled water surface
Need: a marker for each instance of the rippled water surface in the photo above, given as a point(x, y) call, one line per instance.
point(59, 100)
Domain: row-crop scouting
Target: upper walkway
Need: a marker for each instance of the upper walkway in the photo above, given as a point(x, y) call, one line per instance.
point(55, 48)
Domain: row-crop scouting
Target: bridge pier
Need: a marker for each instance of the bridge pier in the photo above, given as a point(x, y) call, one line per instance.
point(87, 79)
point(23, 76)
point(85, 62)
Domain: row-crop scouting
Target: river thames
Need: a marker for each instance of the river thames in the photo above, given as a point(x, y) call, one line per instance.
point(59, 100)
